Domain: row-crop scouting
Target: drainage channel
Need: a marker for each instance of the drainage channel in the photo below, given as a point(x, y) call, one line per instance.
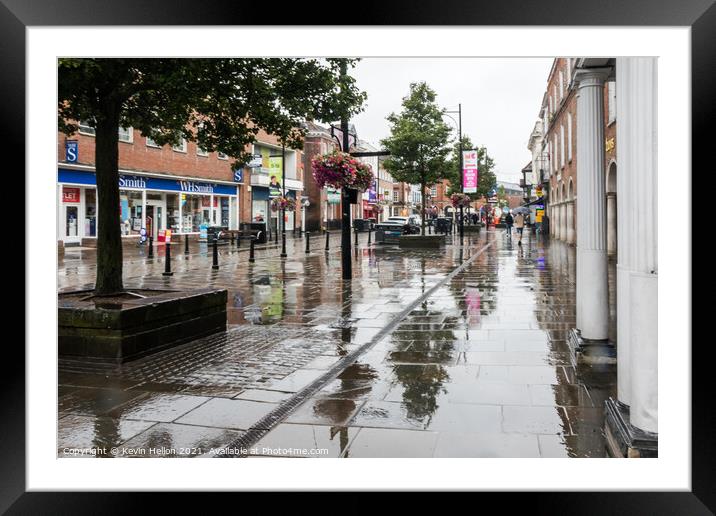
point(243, 443)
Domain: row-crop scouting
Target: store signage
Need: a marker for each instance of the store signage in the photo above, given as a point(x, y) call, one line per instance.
point(239, 175)
point(71, 151)
point(70, 194)
point(132, 182)
point(372, 192)
point(84, 177)
point(333, 196)
point(469, 171)
point(538, 191)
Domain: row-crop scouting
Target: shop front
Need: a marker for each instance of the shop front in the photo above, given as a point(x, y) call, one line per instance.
point(147, 203)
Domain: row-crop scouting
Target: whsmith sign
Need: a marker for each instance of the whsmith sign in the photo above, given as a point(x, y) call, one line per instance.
point(147, 183)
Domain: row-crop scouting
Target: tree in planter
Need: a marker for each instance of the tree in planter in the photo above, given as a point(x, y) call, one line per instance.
point(486, 175)
point(419, 141)
point(221, 104)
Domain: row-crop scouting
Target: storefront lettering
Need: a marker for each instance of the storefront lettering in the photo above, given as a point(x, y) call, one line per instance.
point(189, 186)
point(132, 182)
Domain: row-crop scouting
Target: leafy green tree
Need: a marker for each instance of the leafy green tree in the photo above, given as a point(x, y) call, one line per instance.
point(419, 141)
point(485, 165)
point(219, 103)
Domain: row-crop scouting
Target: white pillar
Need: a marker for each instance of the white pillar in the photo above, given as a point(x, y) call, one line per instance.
point(611, 222)
point(570, 222)
point(592, 289)
point(637, 83)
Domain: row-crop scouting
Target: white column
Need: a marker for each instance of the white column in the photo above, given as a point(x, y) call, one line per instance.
point(611, 222)
point(592, 289)
point(570, 222)
point(637, 83)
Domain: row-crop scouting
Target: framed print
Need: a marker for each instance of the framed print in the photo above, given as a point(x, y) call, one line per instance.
point(432, 337)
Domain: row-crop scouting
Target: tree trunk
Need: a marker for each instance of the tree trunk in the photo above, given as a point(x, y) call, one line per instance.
point(109, 239)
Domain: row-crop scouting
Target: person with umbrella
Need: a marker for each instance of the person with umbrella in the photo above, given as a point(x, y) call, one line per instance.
point(519, 225)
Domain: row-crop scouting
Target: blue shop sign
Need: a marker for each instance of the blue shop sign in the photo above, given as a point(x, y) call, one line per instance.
point(71, 151)
point(147, 183)
point(239, 175)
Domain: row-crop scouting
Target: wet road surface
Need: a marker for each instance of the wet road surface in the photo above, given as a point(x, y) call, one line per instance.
point(478, 368)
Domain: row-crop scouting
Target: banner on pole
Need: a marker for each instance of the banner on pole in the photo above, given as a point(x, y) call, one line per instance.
point(469, 171)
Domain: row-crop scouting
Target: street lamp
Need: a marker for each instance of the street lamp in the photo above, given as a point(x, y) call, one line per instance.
point(459, 136)
point(305, 203)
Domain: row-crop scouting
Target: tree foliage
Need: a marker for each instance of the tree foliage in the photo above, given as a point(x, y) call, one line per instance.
point(419, 143)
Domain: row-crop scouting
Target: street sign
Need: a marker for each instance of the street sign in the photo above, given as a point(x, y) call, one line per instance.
point(257, 161)
point(71, 151)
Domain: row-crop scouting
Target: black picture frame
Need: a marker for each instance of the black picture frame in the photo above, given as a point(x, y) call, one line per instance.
point(700, 15)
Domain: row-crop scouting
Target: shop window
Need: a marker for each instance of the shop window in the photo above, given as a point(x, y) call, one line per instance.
point(90, 212)
point(173, 222)
point(196, 210)
point(131, 212)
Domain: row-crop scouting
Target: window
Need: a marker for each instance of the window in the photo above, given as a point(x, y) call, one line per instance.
point(561, 85)
point(569, 136)
point(554, 96)
point(221, 155)
point(433, 191)
point(181, 147)
point(561, 150)
point(152, 143)
point(395, 195)
point(126, 134)
point(85, 128)
point(201, 152)
point(569, 71)
point(612, 101)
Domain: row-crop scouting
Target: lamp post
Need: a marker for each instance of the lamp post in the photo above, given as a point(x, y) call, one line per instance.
point(459, 136)
point(283, 207)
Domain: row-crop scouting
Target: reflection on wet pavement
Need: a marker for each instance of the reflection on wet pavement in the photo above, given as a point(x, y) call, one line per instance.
point(479, 369)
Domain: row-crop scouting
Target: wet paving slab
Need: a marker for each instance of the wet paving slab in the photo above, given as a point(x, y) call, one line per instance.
point(479, 368)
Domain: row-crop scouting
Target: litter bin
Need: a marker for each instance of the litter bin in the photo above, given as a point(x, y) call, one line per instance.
point(255, 226)
point(387, 233)
point(360, 224)
point(212, 231)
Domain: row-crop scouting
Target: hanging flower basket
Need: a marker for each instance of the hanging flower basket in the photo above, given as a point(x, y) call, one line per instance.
point(460, 199)
point(341, 170)
point(283, 203)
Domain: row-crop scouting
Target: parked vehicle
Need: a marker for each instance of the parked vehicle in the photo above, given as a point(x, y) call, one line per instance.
point(411, 224)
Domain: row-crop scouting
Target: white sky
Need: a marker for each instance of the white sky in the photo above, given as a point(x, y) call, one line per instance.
point(500, 97)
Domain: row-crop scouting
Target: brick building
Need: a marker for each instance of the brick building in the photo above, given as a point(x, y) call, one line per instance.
point(182, 188)
point(553, 143)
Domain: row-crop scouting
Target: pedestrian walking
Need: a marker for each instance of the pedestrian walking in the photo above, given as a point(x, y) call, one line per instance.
point(475, 217)
point(508, 224)
point(519, 226)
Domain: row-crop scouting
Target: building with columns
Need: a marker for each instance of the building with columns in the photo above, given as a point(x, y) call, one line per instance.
point(608, 215)
point(627, 228)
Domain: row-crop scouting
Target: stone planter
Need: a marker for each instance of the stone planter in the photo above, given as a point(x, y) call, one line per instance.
point(421, 241)
point(116, 331)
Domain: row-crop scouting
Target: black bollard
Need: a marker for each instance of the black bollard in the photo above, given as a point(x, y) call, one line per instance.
point(283, 245)
point(186, 244)
point(327, 238)
point(356, 242)
point(308, 243)
point(215, 265)
point(238, 241)
point(369, 233)
point(251, 250)
point(151, 247)
point(167, 260)
point(232, 238)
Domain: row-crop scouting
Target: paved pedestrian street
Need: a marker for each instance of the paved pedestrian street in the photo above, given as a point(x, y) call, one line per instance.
point(459, 352)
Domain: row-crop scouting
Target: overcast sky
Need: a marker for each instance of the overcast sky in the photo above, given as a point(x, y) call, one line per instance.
point(500, 97)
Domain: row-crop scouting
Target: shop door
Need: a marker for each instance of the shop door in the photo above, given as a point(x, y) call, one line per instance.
point(155, 220)
point(71, 223)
